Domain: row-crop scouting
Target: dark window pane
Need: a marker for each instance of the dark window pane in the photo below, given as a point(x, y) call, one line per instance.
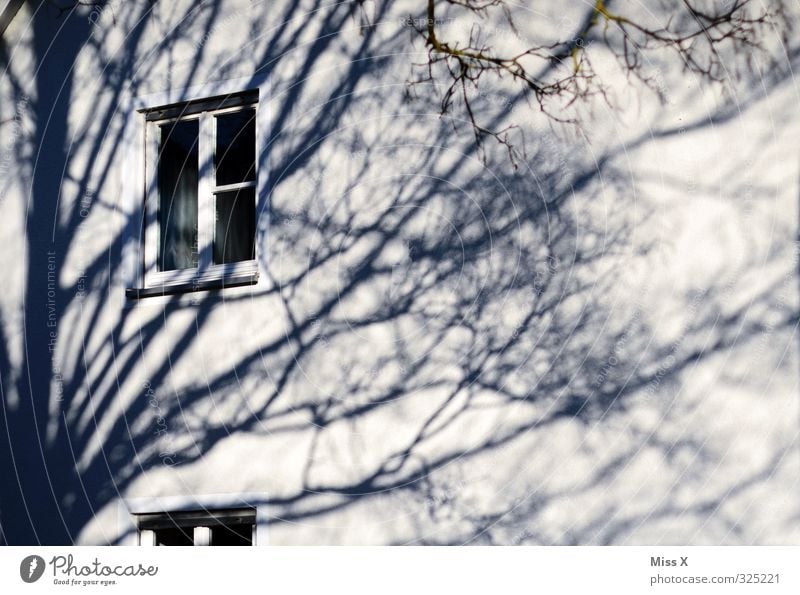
point(175, 536)
point(235, 227)
point(177, 196)
point(235, 155)
point(232, 535)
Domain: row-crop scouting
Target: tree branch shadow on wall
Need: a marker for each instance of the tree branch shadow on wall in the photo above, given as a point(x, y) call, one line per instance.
point(433, 306)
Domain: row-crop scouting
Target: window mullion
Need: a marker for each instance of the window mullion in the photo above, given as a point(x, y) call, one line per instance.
point(237, 186)
point(147, 537)
point(202, 536)
point(205, 206)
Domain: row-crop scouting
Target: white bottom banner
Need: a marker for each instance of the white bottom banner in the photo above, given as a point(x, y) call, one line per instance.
point(401, 570)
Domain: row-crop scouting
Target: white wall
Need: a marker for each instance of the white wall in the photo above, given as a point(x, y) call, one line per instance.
point(596, 347)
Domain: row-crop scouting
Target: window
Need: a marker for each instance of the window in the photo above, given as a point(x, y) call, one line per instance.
point(234, 526)
point(201, 175)
point(194, 519)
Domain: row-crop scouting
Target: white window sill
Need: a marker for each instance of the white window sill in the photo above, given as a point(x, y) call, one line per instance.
point(193, 284)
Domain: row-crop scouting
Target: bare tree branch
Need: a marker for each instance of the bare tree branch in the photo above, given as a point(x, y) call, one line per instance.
point(695, 34)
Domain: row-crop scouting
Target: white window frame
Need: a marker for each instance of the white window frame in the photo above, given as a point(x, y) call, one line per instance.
point(140, 194)
point(129, 509)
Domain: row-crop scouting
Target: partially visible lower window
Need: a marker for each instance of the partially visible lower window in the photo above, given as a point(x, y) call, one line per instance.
point(234, 526)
